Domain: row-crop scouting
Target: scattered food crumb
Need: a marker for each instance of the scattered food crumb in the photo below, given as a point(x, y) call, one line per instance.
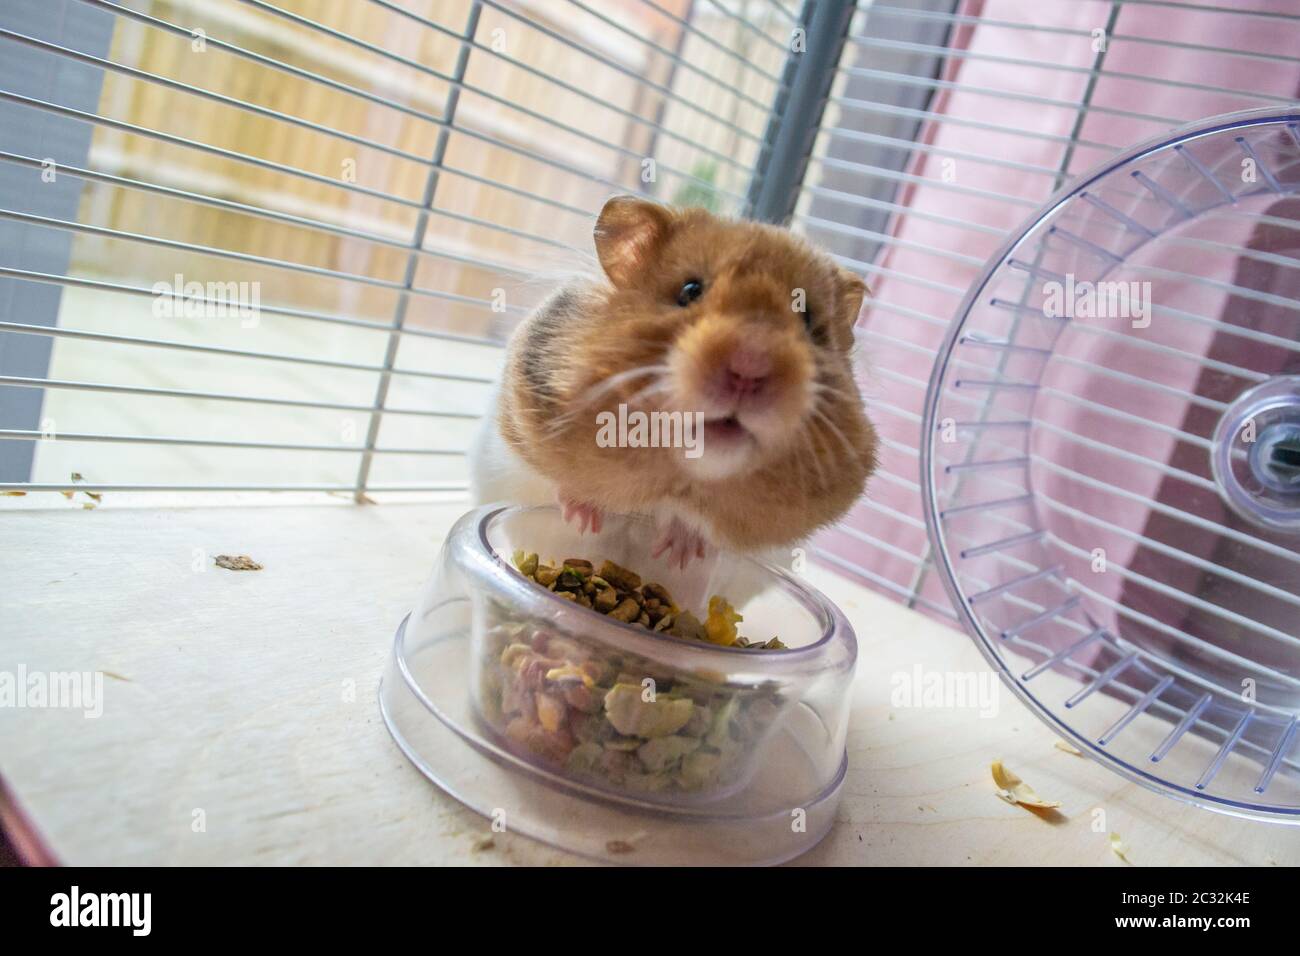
point(116, 676)
point(238, 562)
point(88, 505)
point(14, 494)
point(1014, 790)
point(94, 496)
point(484, 844)
point(619, 846)
point(1119, 848)
point(1068, 747)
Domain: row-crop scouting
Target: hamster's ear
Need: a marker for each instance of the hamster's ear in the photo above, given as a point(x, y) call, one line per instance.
point(629, 232)
point(852, 290)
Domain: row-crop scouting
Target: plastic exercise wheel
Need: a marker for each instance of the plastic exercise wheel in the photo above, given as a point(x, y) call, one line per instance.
point(1111, 463)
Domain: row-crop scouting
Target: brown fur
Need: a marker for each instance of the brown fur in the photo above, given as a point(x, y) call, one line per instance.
point(804, 475)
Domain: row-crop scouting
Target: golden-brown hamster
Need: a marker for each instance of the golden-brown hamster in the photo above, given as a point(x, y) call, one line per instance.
point(741, 330)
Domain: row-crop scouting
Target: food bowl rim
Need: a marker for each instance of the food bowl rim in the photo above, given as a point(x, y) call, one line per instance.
point(539, 602)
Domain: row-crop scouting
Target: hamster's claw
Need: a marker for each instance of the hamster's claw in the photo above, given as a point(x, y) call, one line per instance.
point(681, 543)
point(586, 514)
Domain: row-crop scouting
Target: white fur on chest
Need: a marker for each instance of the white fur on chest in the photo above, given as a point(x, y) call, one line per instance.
point(497, 473)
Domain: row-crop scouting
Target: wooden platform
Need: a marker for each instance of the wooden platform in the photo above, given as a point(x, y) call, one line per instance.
point(247, 700)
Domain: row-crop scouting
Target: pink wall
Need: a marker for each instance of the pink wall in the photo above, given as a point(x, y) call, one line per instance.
point(911, 308)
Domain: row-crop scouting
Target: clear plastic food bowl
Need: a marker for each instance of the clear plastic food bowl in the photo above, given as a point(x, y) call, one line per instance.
point(603, 737)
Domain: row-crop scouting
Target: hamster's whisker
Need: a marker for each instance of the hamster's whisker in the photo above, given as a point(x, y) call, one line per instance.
point(588, 398)
point(812, 456)
point(820, 416)
point(547, 431)
point(658, 387)
point(819, 460)
point(828, 381)
point(614, 381)
point(633, 373)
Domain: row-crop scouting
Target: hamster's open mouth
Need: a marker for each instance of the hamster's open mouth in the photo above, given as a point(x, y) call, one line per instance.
point(726, 430)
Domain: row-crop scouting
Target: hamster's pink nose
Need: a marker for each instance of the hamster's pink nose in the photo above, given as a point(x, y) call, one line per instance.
point(747, 370)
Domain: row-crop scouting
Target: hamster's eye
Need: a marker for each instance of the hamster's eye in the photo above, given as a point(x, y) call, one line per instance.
point(815, 332)
point(691, 290)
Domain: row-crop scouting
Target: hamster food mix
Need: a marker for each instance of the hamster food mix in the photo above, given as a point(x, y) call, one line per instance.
point(607, 716)
point(619, 593)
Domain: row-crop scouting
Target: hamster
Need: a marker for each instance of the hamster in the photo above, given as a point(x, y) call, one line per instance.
point(744, 329)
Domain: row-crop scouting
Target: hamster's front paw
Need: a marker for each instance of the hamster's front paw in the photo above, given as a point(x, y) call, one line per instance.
point(583, 512)
point(681, 542)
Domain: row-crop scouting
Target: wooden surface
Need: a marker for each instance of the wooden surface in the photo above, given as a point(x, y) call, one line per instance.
point(248, 700)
